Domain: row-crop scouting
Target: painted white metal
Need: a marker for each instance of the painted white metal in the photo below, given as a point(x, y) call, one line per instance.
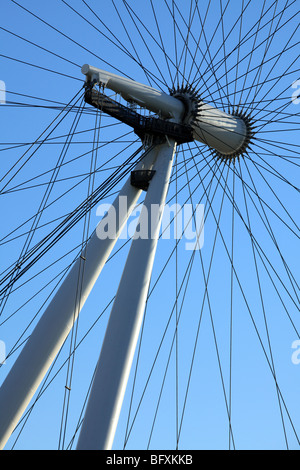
point(123, 329)
point(58, 319)
point(221, 131)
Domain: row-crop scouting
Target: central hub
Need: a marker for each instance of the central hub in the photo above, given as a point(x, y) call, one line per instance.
point(242, 150)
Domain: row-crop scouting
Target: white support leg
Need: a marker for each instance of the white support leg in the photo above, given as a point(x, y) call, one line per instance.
point(123, 328)
point(58, 319)
point(223, 132)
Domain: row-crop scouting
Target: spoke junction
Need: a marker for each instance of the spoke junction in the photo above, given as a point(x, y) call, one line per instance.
point(177, 118)
point(180, 117)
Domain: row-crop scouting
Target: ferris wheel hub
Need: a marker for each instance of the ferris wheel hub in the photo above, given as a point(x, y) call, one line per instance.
point(249, 133)
point(191, 102)
point(227, 135)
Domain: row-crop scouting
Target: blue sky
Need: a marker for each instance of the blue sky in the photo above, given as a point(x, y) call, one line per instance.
point(271, 190)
